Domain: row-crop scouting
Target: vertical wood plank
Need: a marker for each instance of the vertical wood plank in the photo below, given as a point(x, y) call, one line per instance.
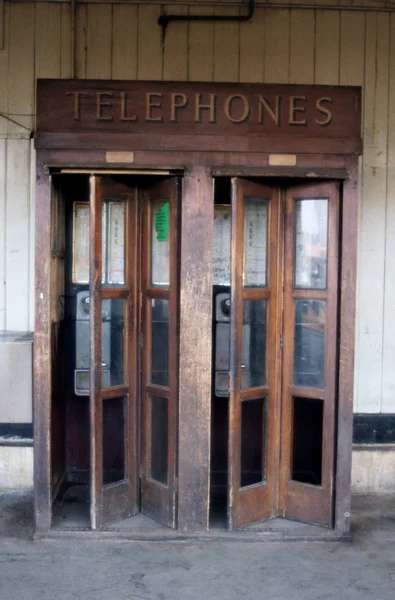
point(4, 58)
point(150, 54)
point(346, 349)
point(3, 158)
point(352, 47)
point(81, 41)
point(302, 33)
point(21, 82)
point(373, 214)
point(48, 40)
point(17, 235)
point(276, 67)
point(352, 66)
point(252, 48)
point(388, 383)
point(327, 47)
point(175, 57)
point(42, 357)
point(65, 42)
point(195, 349)
point(226, 47)
point(99, 35)
point(201, 46)
point(124, 42)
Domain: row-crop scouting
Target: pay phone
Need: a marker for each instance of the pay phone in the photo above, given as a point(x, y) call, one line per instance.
point(77, 301)
point(81, 326)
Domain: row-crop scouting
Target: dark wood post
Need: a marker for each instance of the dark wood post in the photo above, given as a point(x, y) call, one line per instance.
point(195, 349)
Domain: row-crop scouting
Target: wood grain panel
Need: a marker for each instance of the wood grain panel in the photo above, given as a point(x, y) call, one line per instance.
point(42, 357)
point(3, 158)
point(373, 215)
point(301, 66)
point(252, 48)
point(124, 41)
point(276, 68)
point(21, 67)
point(327, 47)
point(175, 57)
point(48, 40)
point(17, 232)
point(388, 382)
point(226, 47)
point(352, 42)
point(66, 58)
point(80, 41)
point(349, 226)
point(150, 56)
point(195, 349)
point(99, 29)
point(201, 46)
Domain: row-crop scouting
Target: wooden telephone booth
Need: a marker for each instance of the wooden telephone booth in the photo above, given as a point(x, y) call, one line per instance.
point(195, 299)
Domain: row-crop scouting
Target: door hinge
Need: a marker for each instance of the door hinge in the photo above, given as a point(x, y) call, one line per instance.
point(141, 471)
point(140, 340)
point(281, 342)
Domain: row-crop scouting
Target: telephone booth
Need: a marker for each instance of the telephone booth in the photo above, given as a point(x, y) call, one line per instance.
point(195, 290)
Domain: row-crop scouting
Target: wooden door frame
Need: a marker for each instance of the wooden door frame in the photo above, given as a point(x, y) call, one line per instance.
point(195, 312)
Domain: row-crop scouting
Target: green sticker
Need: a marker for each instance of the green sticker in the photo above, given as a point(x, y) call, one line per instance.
point(162, 222)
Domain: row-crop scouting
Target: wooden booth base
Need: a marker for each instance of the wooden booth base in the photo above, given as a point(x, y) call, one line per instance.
point(143, 529)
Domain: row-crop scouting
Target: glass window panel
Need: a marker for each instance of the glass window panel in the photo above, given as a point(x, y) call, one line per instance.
point(81, 225)
point(80, 242)
point(160, 342)
point(113, 440)
point(104, 258)
point(311, 243)
point(159, 438)
point(160, 243)
point(113, 329)
point(255, 242)
point(114, 240)
point(307, 440)
point(253, 442)
point(221, 253)
point(253, 352)
point(309, 343)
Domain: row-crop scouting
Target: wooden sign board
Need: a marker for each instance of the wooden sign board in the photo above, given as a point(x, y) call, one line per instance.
point(201, 116)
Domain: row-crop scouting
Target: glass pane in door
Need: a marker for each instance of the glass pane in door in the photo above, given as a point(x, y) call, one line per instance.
point(309, 350)
point(114, 260)
point(113, 331)
point(160, 342)
point(311, 243)
point(160, 243)
point(255, 242)
point(113, 440)
point(307, 440)
point(253, 353)
point(159, 439)
point(253, 442)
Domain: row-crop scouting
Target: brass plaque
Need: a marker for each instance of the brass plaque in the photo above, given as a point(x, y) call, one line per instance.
point(282, 160)
point(119, 157)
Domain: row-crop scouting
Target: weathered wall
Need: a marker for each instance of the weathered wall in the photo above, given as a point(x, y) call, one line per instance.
point(281, 45)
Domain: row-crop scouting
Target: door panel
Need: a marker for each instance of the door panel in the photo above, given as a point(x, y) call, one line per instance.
point(113, 338)
point(310, 352)
point(253, 377)
point(160, 352)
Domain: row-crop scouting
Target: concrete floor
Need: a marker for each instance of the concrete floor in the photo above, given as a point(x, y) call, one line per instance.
point(231, 570)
